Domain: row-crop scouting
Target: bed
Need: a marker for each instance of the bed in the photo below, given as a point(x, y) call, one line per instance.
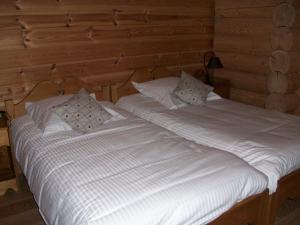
point(132, 171)
point(269, 141)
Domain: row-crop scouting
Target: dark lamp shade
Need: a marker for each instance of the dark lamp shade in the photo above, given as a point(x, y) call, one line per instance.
point(214, 63)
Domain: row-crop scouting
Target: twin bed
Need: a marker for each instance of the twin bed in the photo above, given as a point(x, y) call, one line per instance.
point(268, 141)
point(132, 171)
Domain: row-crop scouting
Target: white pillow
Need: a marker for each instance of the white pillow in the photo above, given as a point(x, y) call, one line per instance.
point(49, 122)
point(213, 96)
point(161, 90)
point(43, 116)
point(115, 115)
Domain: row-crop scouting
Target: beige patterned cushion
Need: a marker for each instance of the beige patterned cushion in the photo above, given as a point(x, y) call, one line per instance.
point(82, 112)
point(191, 90)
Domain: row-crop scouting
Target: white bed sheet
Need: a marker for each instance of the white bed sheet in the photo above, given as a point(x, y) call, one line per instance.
point(129, 172)
point(269, 141)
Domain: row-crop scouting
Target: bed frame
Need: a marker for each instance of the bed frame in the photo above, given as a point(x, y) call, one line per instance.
point(288, 186)
point(249, 211)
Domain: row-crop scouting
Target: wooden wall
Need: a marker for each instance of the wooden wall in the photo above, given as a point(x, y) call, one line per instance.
point(258, 43)
point(294, 73)
point(91, 39)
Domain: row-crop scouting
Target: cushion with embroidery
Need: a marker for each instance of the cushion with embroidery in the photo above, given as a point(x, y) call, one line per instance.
point(82, 112)
point(191, 90)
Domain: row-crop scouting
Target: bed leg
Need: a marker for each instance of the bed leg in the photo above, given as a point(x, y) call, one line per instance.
point(263, 208)
point(271, 210)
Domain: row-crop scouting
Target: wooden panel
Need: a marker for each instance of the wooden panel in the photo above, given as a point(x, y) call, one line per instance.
point(245, 80)
point(248, 97)
point(43, 40)
point(255, 40)
point(225, 4)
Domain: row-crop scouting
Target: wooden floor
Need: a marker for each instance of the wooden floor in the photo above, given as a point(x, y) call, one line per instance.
point(20, 209)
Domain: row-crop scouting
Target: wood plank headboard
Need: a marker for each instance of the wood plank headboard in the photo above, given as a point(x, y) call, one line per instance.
point(48, 89)
point(142, 75)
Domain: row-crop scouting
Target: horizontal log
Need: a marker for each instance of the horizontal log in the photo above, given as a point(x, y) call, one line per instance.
point(96, 66)
point(276, 102)
point(244, 81)
point(265, 12)
point(7, 6)
point(229, 4)
point(161, 18)
point(11, 38)
point(248, 97)
point(243, 44)
point(244, 26)
point(8, 22)
point(49, 7)
point(108, 19)
point(77, 4)
point(124, 75)
point(110, 78)
point(82, 52)
point(29, 22)
point(257, 64)
point(283, 103)
point(54, 36)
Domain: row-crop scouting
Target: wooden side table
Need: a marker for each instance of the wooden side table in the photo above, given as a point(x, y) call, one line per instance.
point(7, 176)
point(222, 87)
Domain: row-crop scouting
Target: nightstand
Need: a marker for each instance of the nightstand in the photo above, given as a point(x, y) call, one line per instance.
point(222, 87)
point(7, 175)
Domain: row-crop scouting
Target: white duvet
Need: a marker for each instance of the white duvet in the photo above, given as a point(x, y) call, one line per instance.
point(269, 141)
point(129, 172)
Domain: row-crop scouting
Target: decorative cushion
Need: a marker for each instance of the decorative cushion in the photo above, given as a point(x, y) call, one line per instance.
point(42, 115)
point(191, 90)
point(82, 112)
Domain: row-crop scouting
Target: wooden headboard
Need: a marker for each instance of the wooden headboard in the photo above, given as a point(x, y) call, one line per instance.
point(46, 89)
point(142, 75)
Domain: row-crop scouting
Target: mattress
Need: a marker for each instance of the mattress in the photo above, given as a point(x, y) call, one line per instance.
point(129, 172)
point(269, 141)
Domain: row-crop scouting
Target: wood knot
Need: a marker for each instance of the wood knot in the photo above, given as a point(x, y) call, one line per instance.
point(90, 31)
point(119, 59)
point(114, 16)
point(53, 68)
point(69, 20)
point(17, 5)
point(146, 17)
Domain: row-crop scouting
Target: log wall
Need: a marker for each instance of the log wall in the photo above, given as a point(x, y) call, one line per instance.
point(258, 41)
point(98, 39)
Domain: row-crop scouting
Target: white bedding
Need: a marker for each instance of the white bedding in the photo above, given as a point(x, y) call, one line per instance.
point(129, 172)
point(269, 141)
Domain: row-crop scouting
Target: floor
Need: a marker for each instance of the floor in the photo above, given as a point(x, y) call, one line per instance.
point(20, 209)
